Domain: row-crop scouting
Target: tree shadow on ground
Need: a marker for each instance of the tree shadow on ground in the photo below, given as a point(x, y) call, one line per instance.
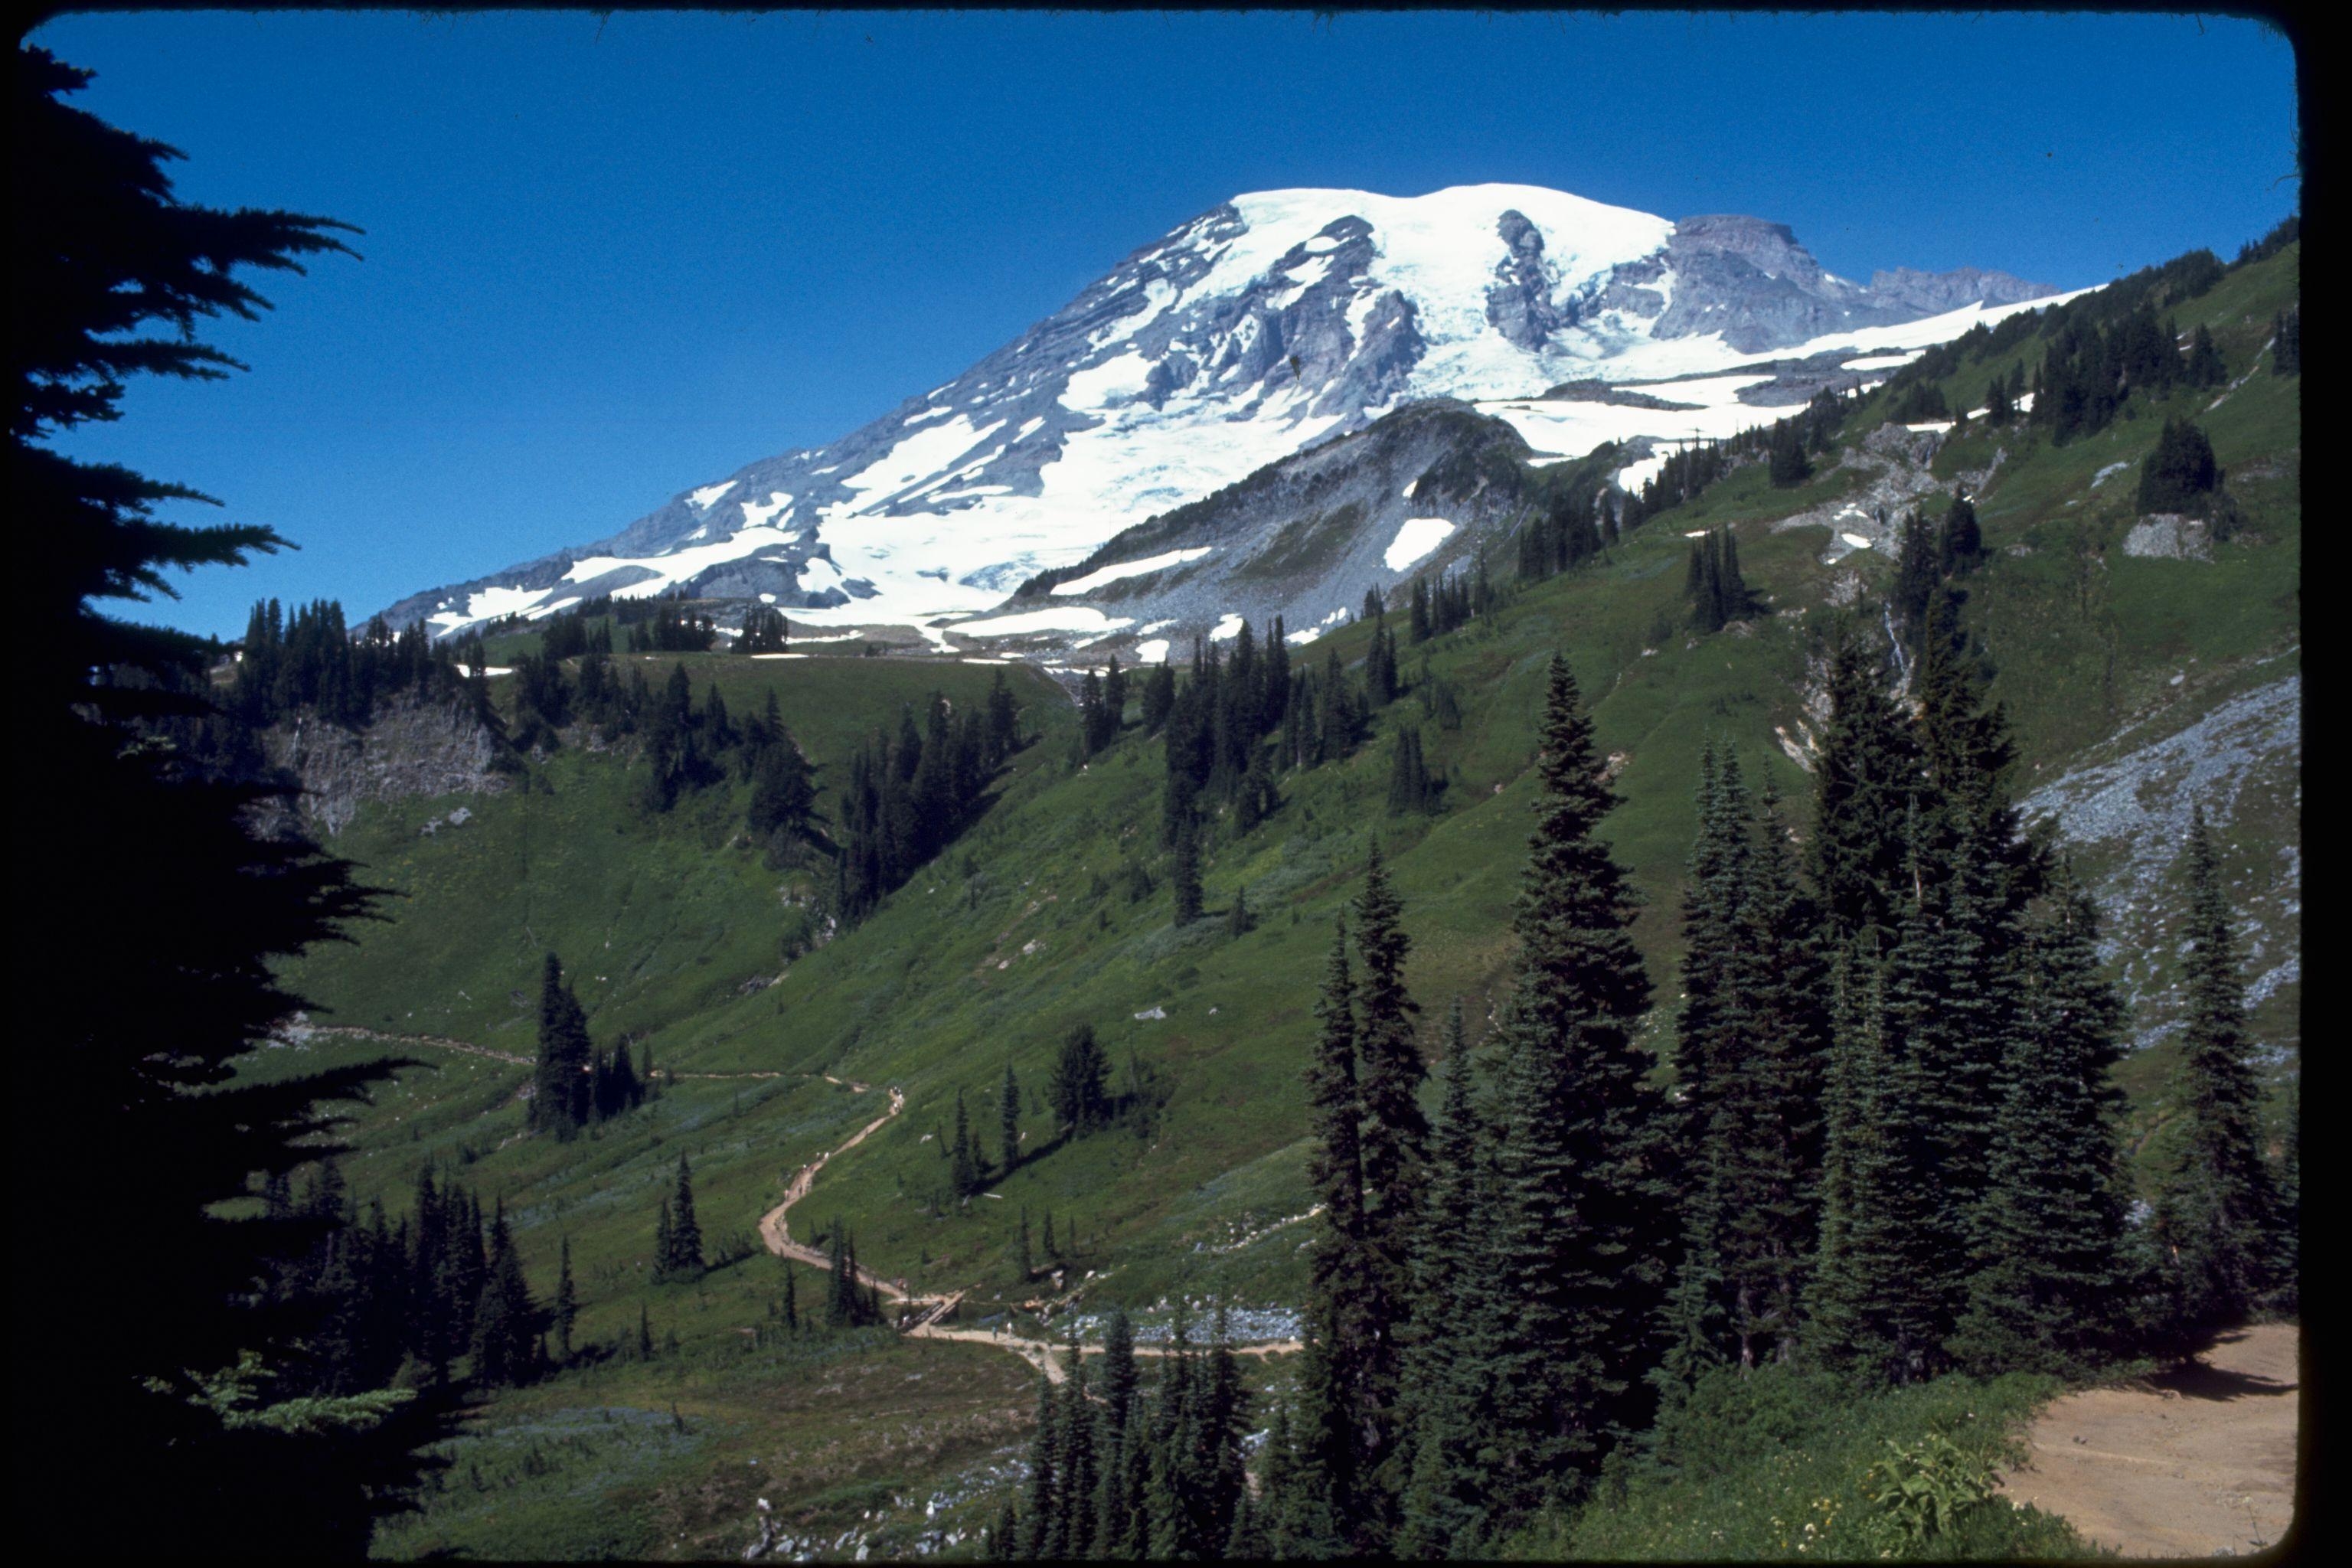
point(2198, 1380)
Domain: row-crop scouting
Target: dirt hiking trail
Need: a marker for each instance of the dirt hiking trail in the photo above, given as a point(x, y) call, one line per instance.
point(2197, 1462)
point(1045, 1355)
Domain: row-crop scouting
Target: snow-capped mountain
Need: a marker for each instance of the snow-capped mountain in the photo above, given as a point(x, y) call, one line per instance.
point(1274, 321)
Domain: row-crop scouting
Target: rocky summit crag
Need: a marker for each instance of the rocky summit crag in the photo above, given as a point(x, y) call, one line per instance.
point(1268, 324)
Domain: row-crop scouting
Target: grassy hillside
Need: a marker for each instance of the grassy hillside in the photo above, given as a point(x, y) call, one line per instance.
point(1027, 925)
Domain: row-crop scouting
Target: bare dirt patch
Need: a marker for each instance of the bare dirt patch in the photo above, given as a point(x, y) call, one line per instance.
point(2198, 1462)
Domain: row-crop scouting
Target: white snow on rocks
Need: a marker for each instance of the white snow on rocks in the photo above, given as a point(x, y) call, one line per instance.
point(756, 514)
point(1414, 539)
point(678, 564)
point(486, 605)
point(1118, 569)
point(1152, 652)
point(1116, 380)
point(705, 498)
point(1226, 629)
point(1063, 619)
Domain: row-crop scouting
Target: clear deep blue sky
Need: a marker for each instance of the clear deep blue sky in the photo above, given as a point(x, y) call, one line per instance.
point(605, 261)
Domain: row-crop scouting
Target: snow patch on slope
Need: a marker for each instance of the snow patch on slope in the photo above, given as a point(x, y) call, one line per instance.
point(1415, 539)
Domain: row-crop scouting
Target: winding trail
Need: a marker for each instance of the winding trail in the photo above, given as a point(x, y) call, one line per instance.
point(1045, 1356)
point(300, 1032)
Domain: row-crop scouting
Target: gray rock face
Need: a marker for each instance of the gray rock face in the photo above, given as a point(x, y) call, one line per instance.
point(412, 749)
point(1933, 293)
point(2127, 820)
point(1520, 304)
point(2168, 536)
point(1754, 283)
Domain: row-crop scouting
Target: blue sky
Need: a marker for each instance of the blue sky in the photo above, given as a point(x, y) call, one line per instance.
point(607, 259)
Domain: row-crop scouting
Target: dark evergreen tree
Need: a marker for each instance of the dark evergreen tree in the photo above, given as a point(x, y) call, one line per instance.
point(2179, 475)
point(1411, 789)
point(764, 631)
point(686, 1260)
point(1008, 1121)
point(1918, 575)
point(1393, 1139)
point(563, 1085)
point(1042, 1524)
point(567, 1306)
point(1870, 1308)
point(2217, 1220)
point(1770, 1128)
point(2206, 366)
point(2286, 342)
point(1711, 1035)
point(965, 1162)
point(175, 1368)
point(1862, 781)
point(1184, 875)
point(1585, 1231)
point(784, 792)
point(1078, 1090)
point(1239, 918)
point(507, 1321)
point(1346, 1307)
point(1789, 465)
point(1960, 544)
point(2050, 1283)
point(1455, 1319)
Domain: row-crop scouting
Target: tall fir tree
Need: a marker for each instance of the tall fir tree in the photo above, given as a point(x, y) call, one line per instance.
point(567, 1305)
point(685, 1259)
point(1585, 1233)
point(1008, 1121)
point(1185, 874)
point(1862, 781)
point(1871, 1311)
point(1458, 1315)
point(1393, 1135)
point(2216, 1213)
point(1345, 1297)
point(1770, 1128)
point(2051, 1282)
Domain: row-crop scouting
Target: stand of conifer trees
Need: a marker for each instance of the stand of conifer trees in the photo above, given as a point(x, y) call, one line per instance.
point(1893, 1148)
point(1717, 593)
point(1119, 1471)
point(910, 794)
point(574, 1084)
point(404, 1304)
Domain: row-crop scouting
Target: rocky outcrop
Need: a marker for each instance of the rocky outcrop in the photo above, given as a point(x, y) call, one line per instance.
point(2169, 536)
point(2127, 822)
point(1519, 305)
point(1753, 282)
point(1933, 293)
point(412, 749)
